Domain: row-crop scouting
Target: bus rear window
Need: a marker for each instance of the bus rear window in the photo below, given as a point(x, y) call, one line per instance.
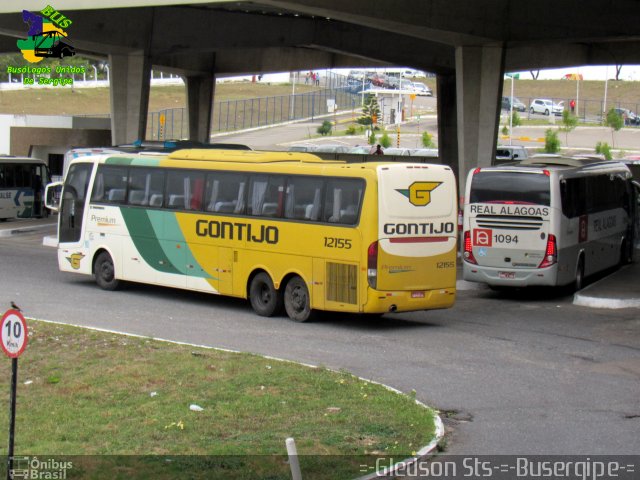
point(500, 187)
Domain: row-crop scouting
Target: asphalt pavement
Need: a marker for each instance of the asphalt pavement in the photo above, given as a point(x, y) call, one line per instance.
point(619, 289)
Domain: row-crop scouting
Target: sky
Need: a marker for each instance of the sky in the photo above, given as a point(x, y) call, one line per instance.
point(628, 72)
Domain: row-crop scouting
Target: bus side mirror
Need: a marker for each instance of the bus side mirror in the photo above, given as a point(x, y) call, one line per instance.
point(52, 196)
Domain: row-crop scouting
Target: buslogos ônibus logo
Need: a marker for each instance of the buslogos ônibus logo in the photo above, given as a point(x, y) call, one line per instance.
point(47, 36)
point(419, 193)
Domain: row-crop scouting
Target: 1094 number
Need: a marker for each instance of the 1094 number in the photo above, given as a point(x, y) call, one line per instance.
point(331, 242)
point(500, 238)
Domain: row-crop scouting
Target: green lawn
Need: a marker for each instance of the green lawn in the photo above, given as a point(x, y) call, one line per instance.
point(102, 395)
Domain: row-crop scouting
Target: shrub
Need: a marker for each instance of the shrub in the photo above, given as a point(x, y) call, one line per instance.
point(351, 130)
point(325, 128)
point(385, 141)
point(551, 142)
point(516, 121)
point(427, 140)
point(372, 137)
point(603, 149)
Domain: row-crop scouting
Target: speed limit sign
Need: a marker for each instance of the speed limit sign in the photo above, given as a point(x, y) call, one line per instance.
point(14, 333)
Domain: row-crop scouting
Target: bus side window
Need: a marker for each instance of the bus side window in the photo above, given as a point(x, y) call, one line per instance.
point(266, 197)
point(342, 203)
point(110, 184)
point(303, 198)
point(225, 192)
point(184, 190)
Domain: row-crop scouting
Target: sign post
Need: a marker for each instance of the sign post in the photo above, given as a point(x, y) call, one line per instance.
point(14, 341)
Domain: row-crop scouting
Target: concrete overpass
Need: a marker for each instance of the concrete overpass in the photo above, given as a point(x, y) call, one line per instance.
point(468, 44)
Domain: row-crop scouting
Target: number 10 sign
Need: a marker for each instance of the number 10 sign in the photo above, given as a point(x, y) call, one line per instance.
point(14, 333)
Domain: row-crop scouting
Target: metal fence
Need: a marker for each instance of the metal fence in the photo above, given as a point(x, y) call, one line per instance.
point(232, 115)
point(587, 111)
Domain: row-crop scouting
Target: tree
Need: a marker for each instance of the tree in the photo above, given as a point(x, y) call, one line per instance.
point(618, 68)
point(614, 121)
point(551, 142)
point(370, 112)
point(569, 123)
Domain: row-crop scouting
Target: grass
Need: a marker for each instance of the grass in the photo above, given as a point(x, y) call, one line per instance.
point(91, 393)
point(94, 101)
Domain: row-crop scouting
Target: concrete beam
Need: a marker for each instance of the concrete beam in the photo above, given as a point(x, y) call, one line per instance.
point(200, 92)
point(479, 78)
point(448, 122)
point(130, 78)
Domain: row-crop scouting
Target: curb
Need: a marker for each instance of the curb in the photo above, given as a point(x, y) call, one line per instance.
point(7, 232)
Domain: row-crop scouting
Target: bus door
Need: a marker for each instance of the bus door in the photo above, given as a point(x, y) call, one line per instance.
point(72, 204)
point(417, 228)
point(507, 220)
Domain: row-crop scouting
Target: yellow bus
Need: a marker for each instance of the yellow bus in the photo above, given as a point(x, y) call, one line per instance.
point(285, 230)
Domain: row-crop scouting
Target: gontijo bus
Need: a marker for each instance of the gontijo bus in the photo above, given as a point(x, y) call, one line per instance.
point(547, 221)
point(279, 228)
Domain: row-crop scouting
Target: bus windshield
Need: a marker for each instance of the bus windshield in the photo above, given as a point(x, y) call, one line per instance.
point(510, 187)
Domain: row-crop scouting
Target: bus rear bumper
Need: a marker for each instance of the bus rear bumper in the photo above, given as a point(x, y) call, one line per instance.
point(409, 301)
point(505, 277)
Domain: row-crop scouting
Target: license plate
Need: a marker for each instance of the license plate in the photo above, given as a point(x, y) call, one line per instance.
point(507, 275)
point(417, 294)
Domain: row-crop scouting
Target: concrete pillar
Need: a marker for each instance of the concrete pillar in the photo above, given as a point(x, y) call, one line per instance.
point(200, 92)
point(447, 121)
point(129, 81)
point(479, 74)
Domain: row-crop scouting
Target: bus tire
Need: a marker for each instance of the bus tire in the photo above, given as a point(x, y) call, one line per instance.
point(626, 253)
point(578, 283)
point(105, 272)
point(297, 302)
point(265, 300)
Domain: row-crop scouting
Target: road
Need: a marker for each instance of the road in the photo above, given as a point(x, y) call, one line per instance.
point(514, 374)
point(280, 138)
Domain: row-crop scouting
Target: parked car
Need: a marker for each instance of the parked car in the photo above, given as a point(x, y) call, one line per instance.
point(406, 85)
point(396, 151)
point(628, 116)
point(545, 106)
point(424, 152)
point(510, 153)
point(517, 104)
point(422, 90)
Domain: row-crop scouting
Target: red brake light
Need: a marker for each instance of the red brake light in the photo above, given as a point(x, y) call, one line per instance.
point(468, 249)
point(550, 254)
point(372, 265)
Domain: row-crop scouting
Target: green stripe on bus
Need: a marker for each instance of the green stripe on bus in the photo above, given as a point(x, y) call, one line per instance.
point(145, 239)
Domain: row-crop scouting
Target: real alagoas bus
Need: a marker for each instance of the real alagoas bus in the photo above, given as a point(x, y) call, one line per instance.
point(282, 229)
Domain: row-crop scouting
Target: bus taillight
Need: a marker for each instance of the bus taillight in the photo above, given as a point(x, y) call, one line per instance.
point(550, 254)
point(468, 250)
point(372, 265)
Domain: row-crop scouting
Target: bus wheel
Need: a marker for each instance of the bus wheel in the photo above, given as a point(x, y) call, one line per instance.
point(579, 281)
point(296, 300)
point(105, 272)
point(265, 300)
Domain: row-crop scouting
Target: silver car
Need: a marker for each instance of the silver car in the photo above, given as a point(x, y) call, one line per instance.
point(545, 106)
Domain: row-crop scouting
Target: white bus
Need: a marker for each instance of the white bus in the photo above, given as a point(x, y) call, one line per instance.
point(22, 184)
point(547, 221)
point(281, 229)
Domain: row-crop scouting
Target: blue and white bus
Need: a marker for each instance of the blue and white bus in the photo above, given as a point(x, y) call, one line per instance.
point(22, 184)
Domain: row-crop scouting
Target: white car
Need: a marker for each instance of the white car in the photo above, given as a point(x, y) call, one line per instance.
point(545, 106)
point(422, 90)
